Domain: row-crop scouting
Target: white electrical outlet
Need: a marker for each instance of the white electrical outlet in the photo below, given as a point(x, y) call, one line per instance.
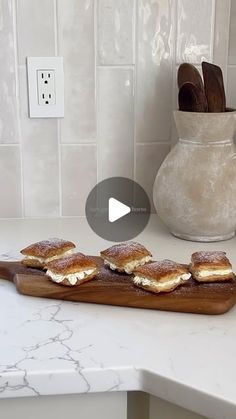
point(45, 87)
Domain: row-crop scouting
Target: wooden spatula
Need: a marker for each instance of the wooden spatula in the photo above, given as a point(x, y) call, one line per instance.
point(214, 87)
point(192, 98)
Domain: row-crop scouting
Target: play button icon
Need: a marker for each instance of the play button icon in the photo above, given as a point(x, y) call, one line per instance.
point(117, 209)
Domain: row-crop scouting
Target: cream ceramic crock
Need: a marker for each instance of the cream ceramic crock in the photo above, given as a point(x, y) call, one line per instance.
point(195, 188)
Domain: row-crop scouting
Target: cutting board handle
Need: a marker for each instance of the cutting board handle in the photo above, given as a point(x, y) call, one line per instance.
point(8, 270)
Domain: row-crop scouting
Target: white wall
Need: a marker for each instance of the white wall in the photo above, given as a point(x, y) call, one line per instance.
point(84, 406)
point(120, 60)
point(160, 409)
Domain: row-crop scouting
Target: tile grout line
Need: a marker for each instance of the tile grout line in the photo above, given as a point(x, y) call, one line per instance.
point(175, 33)
point(213, 52)
point(174, 68)
point(97, 84)
point(78, 144)
point(117, 66)
point(149, 143)
point(55, 16)
point(9, 144)
point(59, 166)
point(213, 27)
point(135, 78)
point(228, 44)
point(16, 59)
point(6, 144)
point(46, 217)
point(58, 120)
point(96, 67)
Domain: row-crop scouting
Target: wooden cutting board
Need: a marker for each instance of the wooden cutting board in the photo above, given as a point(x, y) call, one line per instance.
point(117, 289)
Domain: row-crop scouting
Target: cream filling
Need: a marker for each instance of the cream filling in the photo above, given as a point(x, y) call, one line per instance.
point(130, 266)
point(140, 280)
point(72, 278)
point(45, 261)
point(218, 272)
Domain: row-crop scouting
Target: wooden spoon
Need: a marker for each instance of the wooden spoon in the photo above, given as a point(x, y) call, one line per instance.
point(192, 98)
point(195, 98)
point(189, 73)
point(214, 87)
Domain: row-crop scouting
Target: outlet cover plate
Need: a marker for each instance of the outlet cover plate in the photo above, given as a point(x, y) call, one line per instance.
point(37, 108)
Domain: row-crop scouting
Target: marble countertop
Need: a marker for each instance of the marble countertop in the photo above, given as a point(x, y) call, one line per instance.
point(53, 347)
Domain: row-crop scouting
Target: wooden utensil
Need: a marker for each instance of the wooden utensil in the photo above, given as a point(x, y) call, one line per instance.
point(189, 73)
point(192, 98)
point(214, 87)
point(118, 289)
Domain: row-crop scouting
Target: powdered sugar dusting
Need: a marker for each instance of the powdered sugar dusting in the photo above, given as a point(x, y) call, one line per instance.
point(210, 257)
point(162, 267)
point(47, 247)
point(73, 263)
point(126, 250)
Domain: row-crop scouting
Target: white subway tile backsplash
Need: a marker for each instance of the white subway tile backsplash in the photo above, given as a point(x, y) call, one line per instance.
point(116, 32)
point(154, 70)
point(41, 174)
point(120, 61)
point(10, 181)
point(194, 30)
point(77, 46)
point(231, 68)
point(79, 176)
point(231, 62)
point(35, 24)
point(9, 132)
point(76, 35)
point(40, 160)
point(221, 34)
point(116, 122)
point(149, 158)
point(79, 123)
